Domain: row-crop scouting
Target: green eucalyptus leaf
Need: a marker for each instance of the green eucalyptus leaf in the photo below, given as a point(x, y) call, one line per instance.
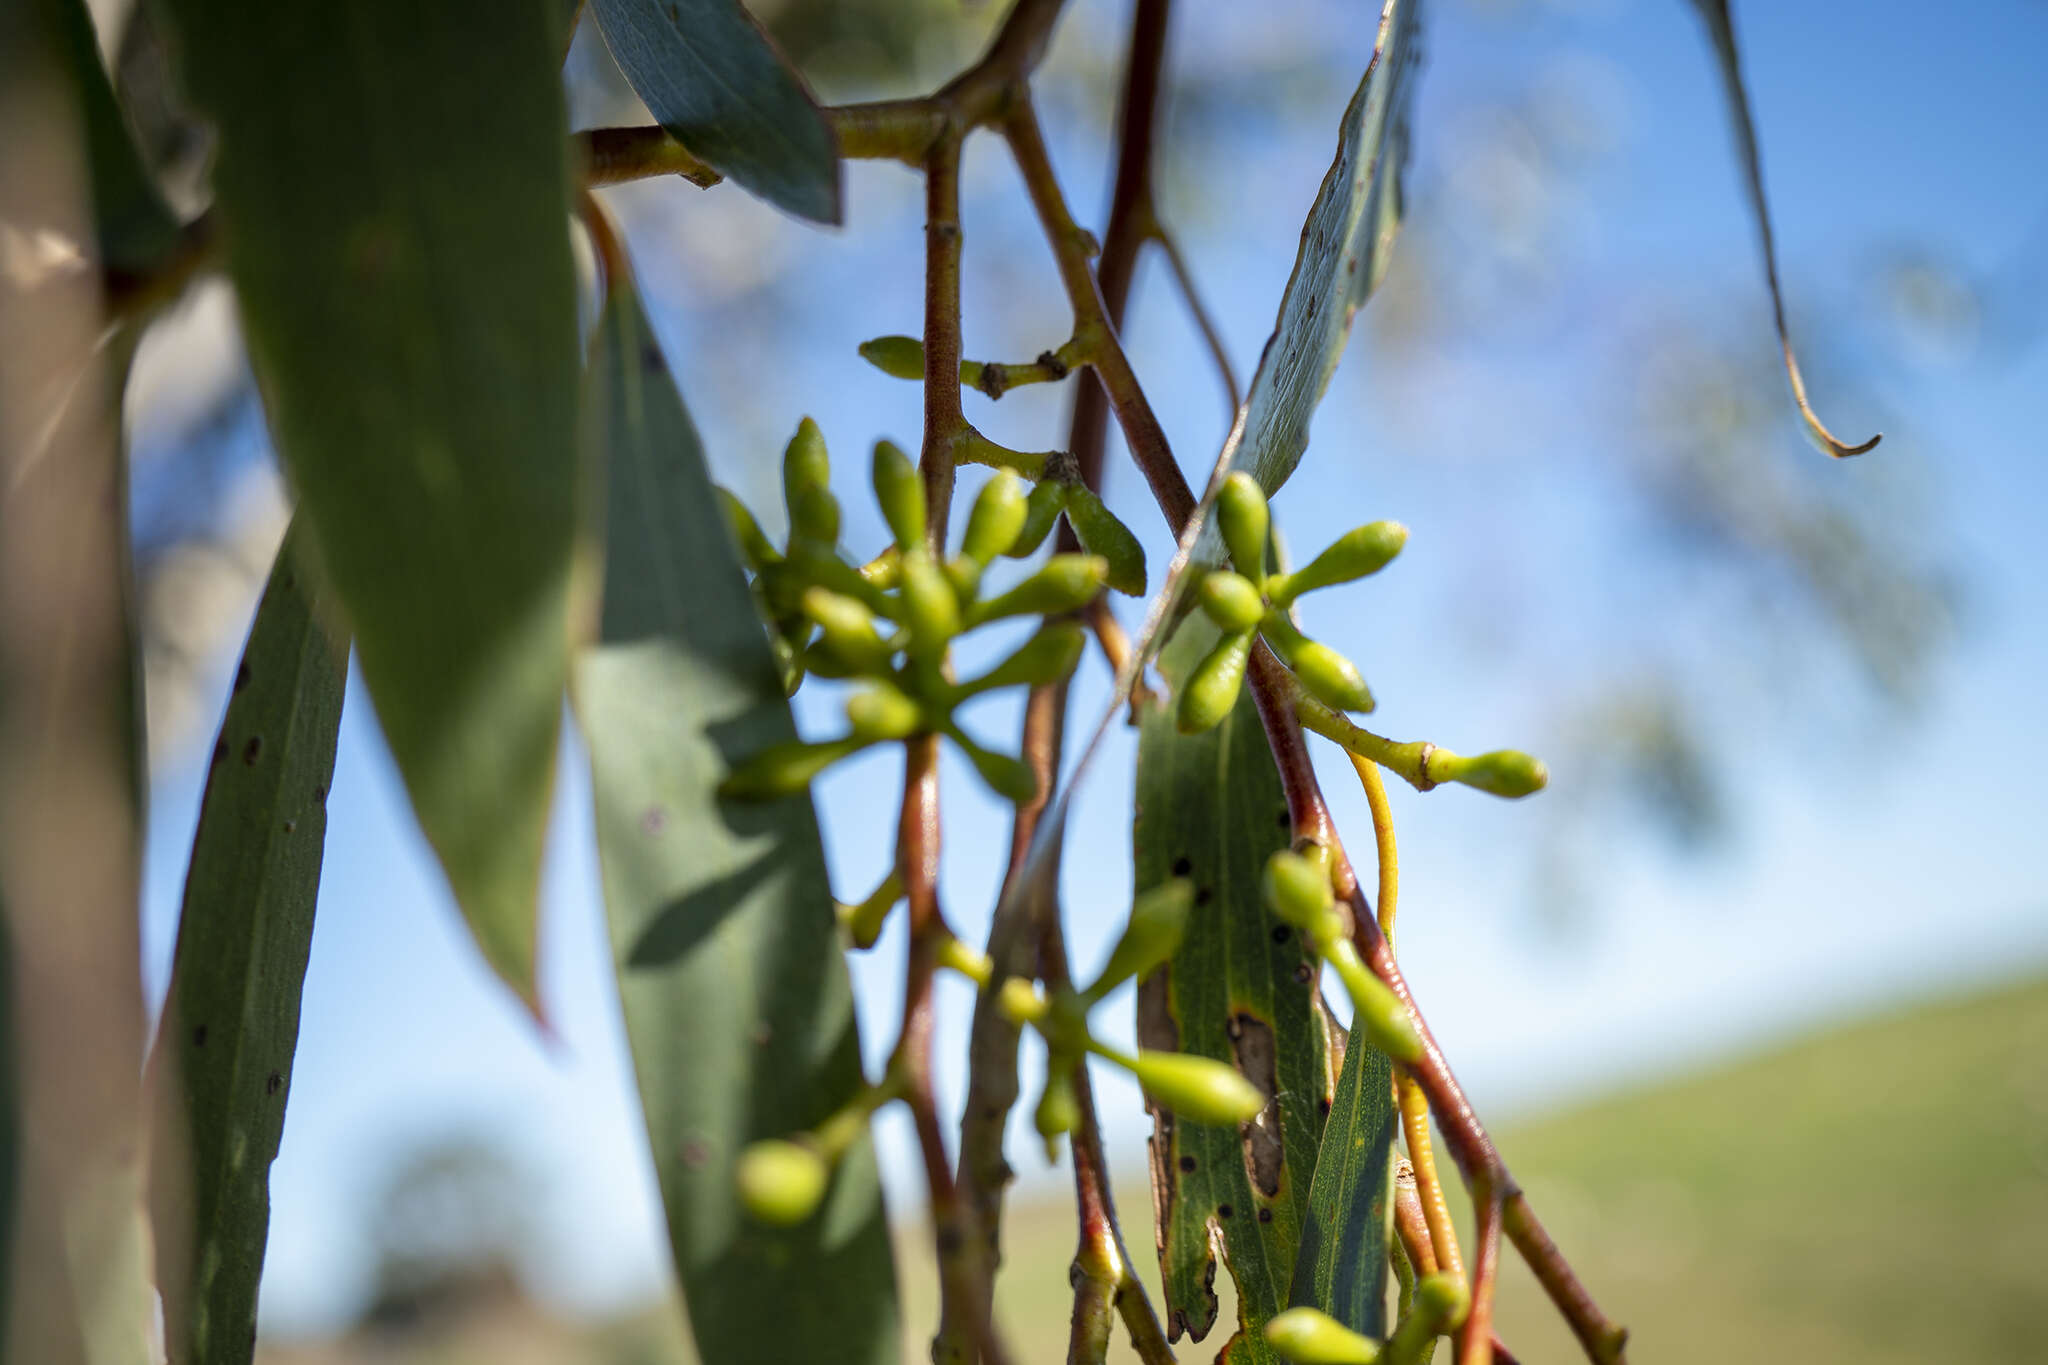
point(231, 1020)
point(1342, 1265)
point(737, 1001)
point(711, 78)
point(393, 183)
point(1721, 31)
point(1210, 809)
point(1346, 245)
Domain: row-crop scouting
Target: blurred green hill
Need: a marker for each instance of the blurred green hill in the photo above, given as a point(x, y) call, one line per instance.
point(1876, 1194)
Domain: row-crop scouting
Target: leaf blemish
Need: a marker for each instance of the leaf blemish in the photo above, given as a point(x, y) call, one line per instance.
point(1252, 1043)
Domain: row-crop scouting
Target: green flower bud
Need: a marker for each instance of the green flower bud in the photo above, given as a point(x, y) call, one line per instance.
point(1504, 772)
point(1049, 655)
point(1231, 601)
point(1010, 777)
point(1298, 891)
point(1021, 1003)
point(899, 491)
point(782, 1182)
point(1245, 520)
point(1309, 1336)
point(804, 466)
point(1066, 583)
point(1386, 1023)
point(1330, 677)
point(1439, 1305)
point(881, 712)
point(998, 515)
point(783, 769)
point(1041, 510)
point(1198, 1088)
point(811, 564)
point(753, 543)
point(1101, 533)
point(899, 357)
point(1159, 919)
point(849, 629)
point(885, 569)
point(815, 516)
point(931, 607)
point(1211, 690)
point(1059, 1108)
point(1352, 555)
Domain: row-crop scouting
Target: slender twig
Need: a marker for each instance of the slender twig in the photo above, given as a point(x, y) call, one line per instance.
point(992, 1077)
point(1413, 1104)
point(944, 421)
point(958, 1248)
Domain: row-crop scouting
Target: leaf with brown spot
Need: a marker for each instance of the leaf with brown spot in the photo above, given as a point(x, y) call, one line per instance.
point(231, 1020)
point(1206, 804)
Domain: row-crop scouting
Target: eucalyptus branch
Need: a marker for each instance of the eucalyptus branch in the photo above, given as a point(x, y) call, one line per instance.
point(992, 1076)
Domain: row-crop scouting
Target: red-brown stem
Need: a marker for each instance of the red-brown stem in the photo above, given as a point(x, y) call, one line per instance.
point(1486, 1176)
point(1092, 325)
point(992, 1083)
point(1475, 1336)
point(1409, 1224)
point(953, 1231)
point(943, 419)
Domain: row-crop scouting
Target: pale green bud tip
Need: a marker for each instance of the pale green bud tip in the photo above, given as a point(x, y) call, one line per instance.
point(1045, 657)
point(1059, 1111)
point(835, 611)
point(931, 608)
point(899, 357)
point(1159, 920)
point(1230, 600)
point(1298, 890)
point(1364, 550)
point(1041, 510)
point(1244, 518)
point(1198, 1088)
point(1441, 1301)
point(900, 493)
point(781, 1182)
point(804, 461)
point(1386, 1021)
point(1309, 1336)
point(997, 518)
point(1101, 533)
point(780, 770)
point(882, 712)
point(1066, 583)
point(1330, 677)
point(1504, 772)
point(815, 514)
point(1020, 1002)
point(1211, 690)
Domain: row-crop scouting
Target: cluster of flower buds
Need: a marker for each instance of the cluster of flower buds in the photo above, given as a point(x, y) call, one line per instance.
point(1201, 1089)
point(1246, 602)
point(1309, 1336)
point(889, 623)
point(1298, 890)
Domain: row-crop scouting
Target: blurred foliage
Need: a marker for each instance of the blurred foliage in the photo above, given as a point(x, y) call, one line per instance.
point(447, 1233)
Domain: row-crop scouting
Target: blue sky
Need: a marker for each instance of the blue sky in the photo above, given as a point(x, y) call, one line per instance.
point(1874, 856)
